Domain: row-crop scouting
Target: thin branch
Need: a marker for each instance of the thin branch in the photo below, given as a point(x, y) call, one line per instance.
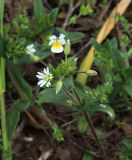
point(102, 151)
point(70, 11)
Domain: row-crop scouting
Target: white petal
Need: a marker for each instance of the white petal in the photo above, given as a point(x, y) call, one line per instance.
point(44, 70)
point(53, 37)
point(62, 41)
point(33, 50)
point(51, 76)
point(47, 71)
point(48, 84)
point(62, 36)
point(51, 42)
point(39, 76)
point(41, 83)
point(40, 73)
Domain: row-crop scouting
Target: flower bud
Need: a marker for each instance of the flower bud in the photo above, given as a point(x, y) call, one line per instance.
point(58, 86)
point(91, 72)
point(67, 47)
point(35, 58)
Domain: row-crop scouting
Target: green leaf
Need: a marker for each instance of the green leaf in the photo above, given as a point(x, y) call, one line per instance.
point(73, 36)
point(96, 45)
point(118, 60)
point(82, 124)
point(38, 9)
point(128, 87)
point(23, 87)
point(101, 134)
point(57, 134)
point(87, 156)
point(45, 23)
point(100, 108)
point(49, 95)
point(50, 19)
point(86, 10)
point(73, 19)
point(68, 82)
point(128, 73)
point(2, 3)
point(53, 14)
point(127, 143)
point(13, 117)
point(65, 68)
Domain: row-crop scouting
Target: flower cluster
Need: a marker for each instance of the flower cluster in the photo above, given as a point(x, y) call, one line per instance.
point(58, 45)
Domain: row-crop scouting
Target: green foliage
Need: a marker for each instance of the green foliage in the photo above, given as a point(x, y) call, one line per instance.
point(64, 2)
point(13, 117)
point(21, 25)
point(23, 87)
point(50, 96)
point(14, 49)
point(86, 10)
point(91, 104)
point(127, 150)
point(38, 9)
point(123, 21)
point(101, 134)
point(57, 134)
point(124, 40)
point(87, 156)
point(72, 36)
point(101, 108)
point(116, 78)
point(2, 2)
point(82, 124)
point(73, 19)
point(65, 68)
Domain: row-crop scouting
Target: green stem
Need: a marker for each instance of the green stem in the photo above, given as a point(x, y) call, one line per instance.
point(3, 122)
point(2, 107)
point(2, 89)
point(65, 57)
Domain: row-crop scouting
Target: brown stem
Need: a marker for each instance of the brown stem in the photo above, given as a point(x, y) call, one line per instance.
point(102, 151)
point(70, 11)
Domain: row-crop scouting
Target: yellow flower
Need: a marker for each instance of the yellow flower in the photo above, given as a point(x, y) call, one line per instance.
point(57, 43)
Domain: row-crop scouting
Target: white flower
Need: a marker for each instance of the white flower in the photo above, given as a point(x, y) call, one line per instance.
point(44, 77)
point(57, 43)
point(30, 49)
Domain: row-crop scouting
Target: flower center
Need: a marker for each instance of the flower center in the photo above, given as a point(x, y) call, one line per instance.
point(47, 77)
point(57, 44)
